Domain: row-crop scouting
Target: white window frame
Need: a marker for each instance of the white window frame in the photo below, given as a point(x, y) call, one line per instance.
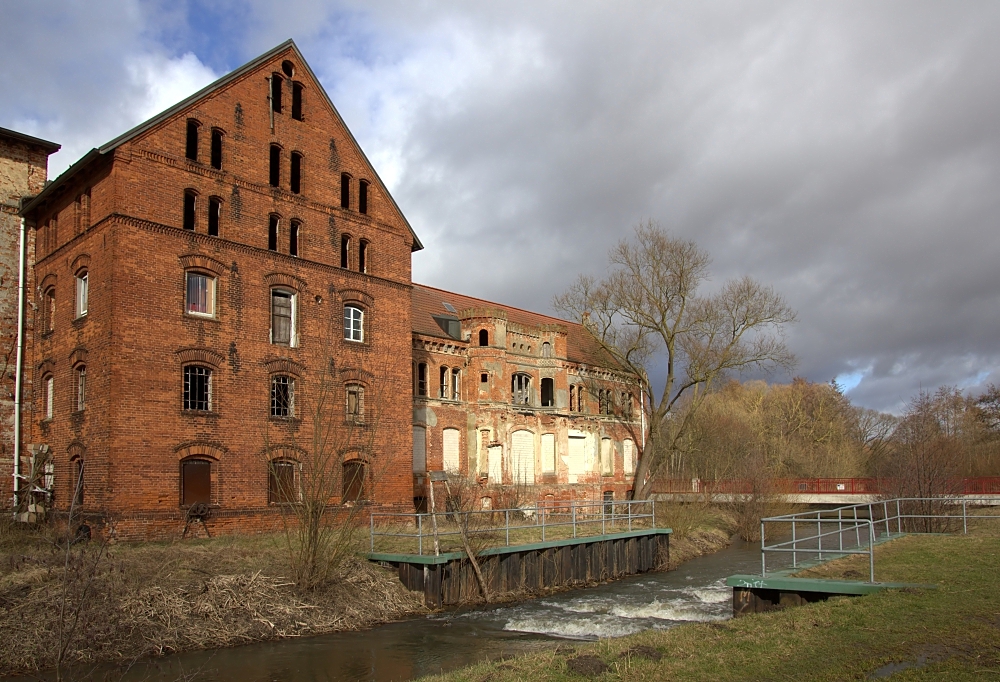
point(82, 292)
point(211, 280)
point(81, 388)
point(50, 391)
point(357, 324)
point(293, 329)
point(290, 382)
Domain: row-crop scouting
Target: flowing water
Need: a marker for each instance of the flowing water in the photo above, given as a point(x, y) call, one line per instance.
point(695, 592)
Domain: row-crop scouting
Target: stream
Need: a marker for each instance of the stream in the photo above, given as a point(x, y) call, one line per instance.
point(694, 592)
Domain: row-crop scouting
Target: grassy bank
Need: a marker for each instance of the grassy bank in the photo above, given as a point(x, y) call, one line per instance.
point(952, 632)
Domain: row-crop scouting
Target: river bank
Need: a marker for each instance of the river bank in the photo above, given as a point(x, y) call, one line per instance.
point(123, 602)
point(952, 632)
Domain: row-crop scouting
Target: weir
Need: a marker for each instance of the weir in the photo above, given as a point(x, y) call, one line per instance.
point(449, 578)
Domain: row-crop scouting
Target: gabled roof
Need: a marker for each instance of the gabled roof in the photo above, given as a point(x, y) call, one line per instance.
point(427, 302)
point(50, 147)
point(204, 92)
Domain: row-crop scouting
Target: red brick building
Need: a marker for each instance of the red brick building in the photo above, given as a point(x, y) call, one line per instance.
point(523, 404)
point(229, 282)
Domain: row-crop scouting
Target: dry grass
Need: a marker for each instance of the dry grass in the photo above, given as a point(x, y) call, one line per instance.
point(154, 598)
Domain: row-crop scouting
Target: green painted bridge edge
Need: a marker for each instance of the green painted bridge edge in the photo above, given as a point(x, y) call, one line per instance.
point(451, 556)
point(785, 584)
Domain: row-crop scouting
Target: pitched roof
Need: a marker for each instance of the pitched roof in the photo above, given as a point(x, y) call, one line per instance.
point(205, 92)
point(50, 147)
point(426, 302)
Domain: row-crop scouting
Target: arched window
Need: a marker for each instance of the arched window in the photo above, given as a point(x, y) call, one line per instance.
point(422, 379)
point(354, 481)
point(297, 101)
point(49, 309)
point(282, 396)
point(196, 482)
point(293, 238)
point(354, 327)
point(214, 215)
point(295, 179)
point(200, 294)
point(345, 190)
point(363, 196)
point(548, 393)
point(191, 147)
point(49, 382)
point(520, 389)
point(345, 250)
point(456, 383)
point(484, 337)
point(355, 403)
point(76, 466)
point(546, 350)
point(443, 391)
point(276, 82)
point(80, 376)
point(281, 483)
point(217, 148)
point(272, 232)
point(572, 398)
point(363, 255)
point(197, 388)
point(274, 168)
point(82, 292)
point(190, 202)
point(283, 313)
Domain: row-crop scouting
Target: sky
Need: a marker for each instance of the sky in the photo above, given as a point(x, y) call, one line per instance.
point(845, 153)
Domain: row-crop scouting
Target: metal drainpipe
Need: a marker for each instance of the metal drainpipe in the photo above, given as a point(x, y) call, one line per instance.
point(19, 372)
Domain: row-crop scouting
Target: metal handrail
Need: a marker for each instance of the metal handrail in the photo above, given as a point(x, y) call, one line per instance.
point(878, 518)
point(580, 518)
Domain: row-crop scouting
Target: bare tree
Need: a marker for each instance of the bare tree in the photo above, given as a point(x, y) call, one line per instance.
point(647, 312)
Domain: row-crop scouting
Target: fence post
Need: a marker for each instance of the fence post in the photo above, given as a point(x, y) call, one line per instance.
point(572, 507)
point(628, 508)
point(885, 514)
point(371, 532)
point(857, 529)
point(653, 502)
point(506, 523)
point(871, 551)
point(795, 557)
point(965, 520)
point(763, 555)
point(899, 518)
point(840, 529)
point(604, 519)
point(543, 521)
point(819, 535)
point(420, 534)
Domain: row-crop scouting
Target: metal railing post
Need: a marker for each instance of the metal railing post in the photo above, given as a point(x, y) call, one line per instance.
point(628, 509)
point(506, 523)
point(604, 519)
point(885, 517)
point(819, 535)
point(371, 532)
point(420, 534)
point(871, 551)
point(965, 520)
point(653, 502)
point(572, 507)
point(840, 529)
point(763, 555)
point(543, 523)
point(795, 546)
point(899, 518)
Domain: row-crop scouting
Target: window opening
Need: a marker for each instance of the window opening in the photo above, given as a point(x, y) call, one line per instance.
point(363, 255)
point(345, 190)
point(456, 393)
point(282, 396)
point(422, 379)
point(281, 482)
point(572, 398)
point(609, 498)
point(82, 286)
point(81, 388)
point(546, 350)
point(443, 391)
point(50, 391)
point(295, 181)
point(355, 403)
point(214, 214)
point(191, 147)
point(547, 393)
point(345, 250)
point(274, 177)
point(78, 482)
point(200, 294)
point(196, 482)
point(484, 378)
point(288, 68)
point(276, 82)
point(216, 148)
point(282, 309)
point(520, 389)
point(353, 323)
point(363, 197)
point(189, 208)
point(484, 337)
point(49, 308)
point(297, 101)
point(272, 233)
point(197, 388)
point(293, 238)
point(354, 481)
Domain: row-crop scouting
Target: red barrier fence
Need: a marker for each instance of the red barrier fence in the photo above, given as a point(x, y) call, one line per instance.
point(815, 486)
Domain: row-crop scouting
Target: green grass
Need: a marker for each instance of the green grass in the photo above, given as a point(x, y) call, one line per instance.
point(954, 631)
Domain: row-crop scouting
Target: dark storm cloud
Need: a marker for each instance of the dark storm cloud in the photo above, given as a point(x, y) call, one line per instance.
point(846, 153)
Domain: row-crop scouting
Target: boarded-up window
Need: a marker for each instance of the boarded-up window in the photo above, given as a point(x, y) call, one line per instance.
point(484, 445)
point(196, 481)
point(628, 452)
point(607, 457)
point(450, 447)
point(494, 458)
point(281, 482)
point(78, 482)
point(548, 453)
point(355, 403)
point(522, 455)
point(577, 459)
point(419, 449)
point(354, 481)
